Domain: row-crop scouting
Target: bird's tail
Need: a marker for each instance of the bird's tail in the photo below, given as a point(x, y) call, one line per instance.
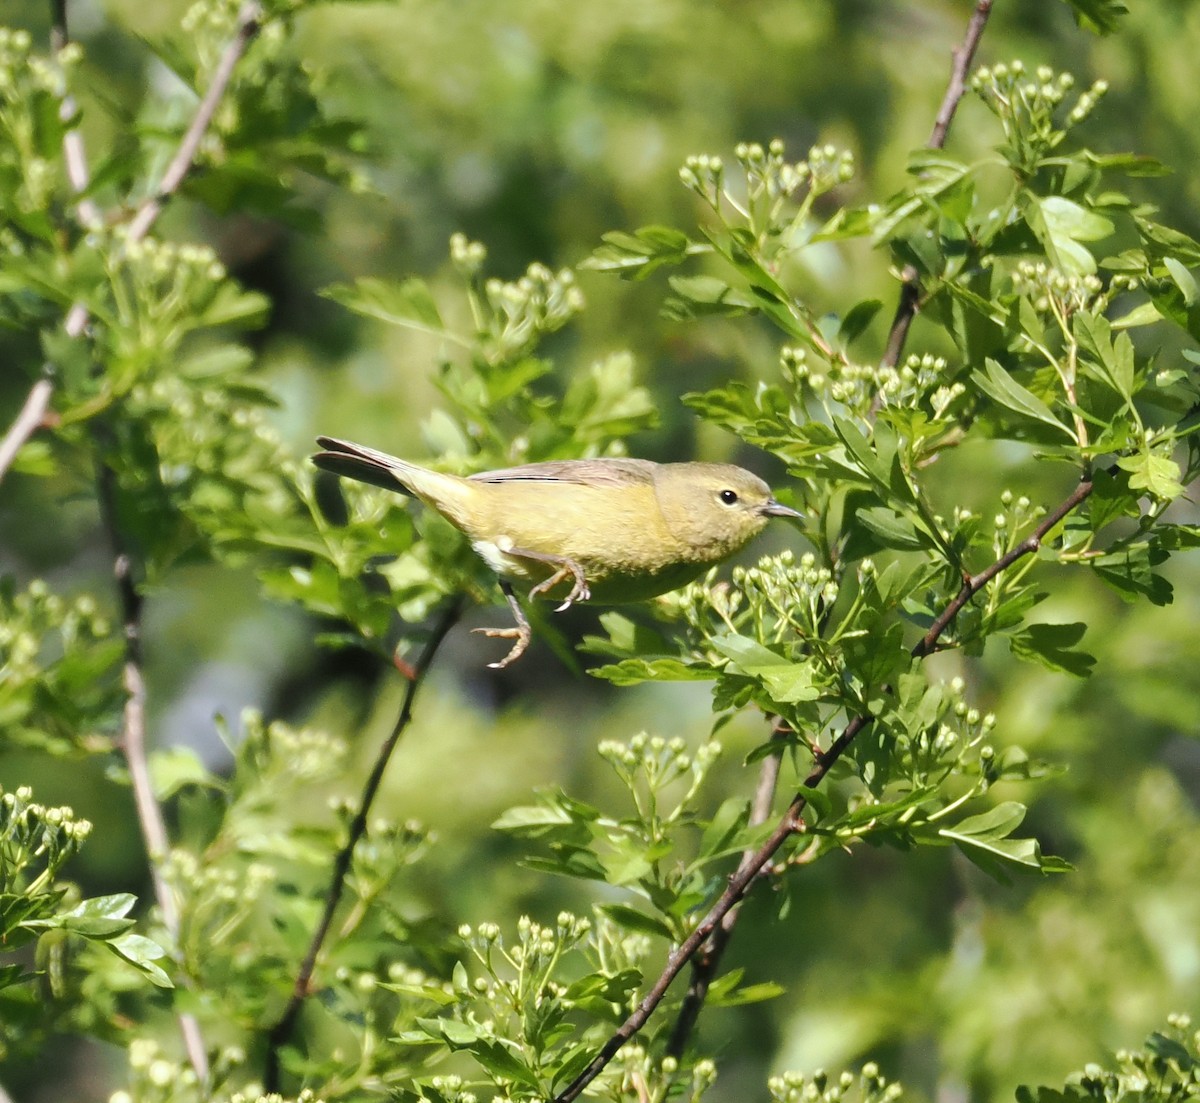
point(366, 465)
point(451, 495)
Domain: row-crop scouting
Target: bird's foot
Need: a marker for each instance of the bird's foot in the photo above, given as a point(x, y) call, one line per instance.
point(521, 634)
point(568, 568)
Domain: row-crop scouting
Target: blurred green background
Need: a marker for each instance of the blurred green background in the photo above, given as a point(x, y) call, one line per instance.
point(534, 126)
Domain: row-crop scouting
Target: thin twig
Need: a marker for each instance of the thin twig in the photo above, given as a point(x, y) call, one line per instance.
point(33, 413)
point(791, 822)
point(31, 418)
point(249, 22)
point(910, 288)
point(74, 153)
point(706, 963)
point(281, 1032)
point(133, 744)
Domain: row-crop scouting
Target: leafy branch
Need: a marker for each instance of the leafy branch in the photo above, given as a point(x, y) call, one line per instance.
point(281, 1032)
point(792, 822)
point(707, 962)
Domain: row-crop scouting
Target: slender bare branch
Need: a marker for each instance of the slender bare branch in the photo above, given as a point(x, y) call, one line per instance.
point(249, 22)
point(791, 821)
point(963, 56)
point(910, 288)
point(281, 1032)
point(33, 413)
point(133, 744)
point(31, 418)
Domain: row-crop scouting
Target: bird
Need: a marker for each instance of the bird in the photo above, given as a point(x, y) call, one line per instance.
point(614, 530)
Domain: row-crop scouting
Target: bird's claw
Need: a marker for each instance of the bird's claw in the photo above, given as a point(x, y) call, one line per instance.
point(579, 587)
point(521, 633)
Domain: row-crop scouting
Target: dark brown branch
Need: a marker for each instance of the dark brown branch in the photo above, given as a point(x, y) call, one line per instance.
point(791, 822)
point(249, 22)
point(910, 288)
point(972, 585)
point(708, 960)
point(281, 1032)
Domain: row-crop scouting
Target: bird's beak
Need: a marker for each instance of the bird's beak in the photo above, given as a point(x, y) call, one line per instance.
point(778, 509)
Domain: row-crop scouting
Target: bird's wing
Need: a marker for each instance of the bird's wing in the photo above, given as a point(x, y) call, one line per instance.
point(599, 472)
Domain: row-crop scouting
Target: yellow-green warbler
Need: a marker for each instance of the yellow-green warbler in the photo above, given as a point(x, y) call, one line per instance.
point(618, 530)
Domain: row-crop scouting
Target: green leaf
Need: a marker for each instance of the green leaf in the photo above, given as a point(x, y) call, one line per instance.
point(721, 834)
point(1061, 225)
point(142, 953)
point(857, 319)
point(1101, 16)
point(752, 993)
point(891, 529)
point(1051, 645)
point(633, 920)
point(407, 304)
point(631, 672)
point(859, 448)
point(501, 1062)
point(1183, 279)
point(1002, 388)
point(984, 840)
point(787, 682)
point(1156, 474)
point(175, 768)
point(1130, 571)
point(636, 256)
point(705, 296)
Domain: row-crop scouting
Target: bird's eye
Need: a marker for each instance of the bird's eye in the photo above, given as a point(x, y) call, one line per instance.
point(729, 497)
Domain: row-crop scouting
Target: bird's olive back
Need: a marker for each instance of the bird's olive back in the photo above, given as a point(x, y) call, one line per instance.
point(714, 508)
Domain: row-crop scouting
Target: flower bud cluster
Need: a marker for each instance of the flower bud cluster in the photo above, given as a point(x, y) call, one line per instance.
point(1149, 1072)
point(952, 732)
point(643, 1078)
point(783, 592)
point(863, 388)
point(206, 436)
point(1061, 293)
point(23, 73)
point(770, 179)
point(616, 947)
point(704, 174)
point(208, 25)
point(657, 761)
point(1014, 517)
point(281, 754)
point(868, 1087)
point(519, 312)
point(30, 617)
point(535, 940)
point(35, 835)
point(450, 1089)
point(169, 263)
point(32, 89)
point(467, 256)
point(1027, 104)
point(218, 899)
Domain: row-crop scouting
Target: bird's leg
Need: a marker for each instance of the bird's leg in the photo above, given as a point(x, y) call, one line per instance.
point(521, 632)
point(565, 568)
